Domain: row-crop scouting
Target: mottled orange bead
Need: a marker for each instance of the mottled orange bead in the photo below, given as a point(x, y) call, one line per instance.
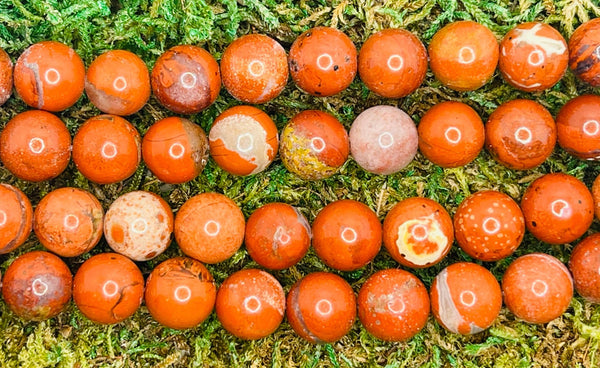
point(584, 52)
point(596, 196)
point(578, 127)
point(16, 218)
point(6, 77)
point(585, 267)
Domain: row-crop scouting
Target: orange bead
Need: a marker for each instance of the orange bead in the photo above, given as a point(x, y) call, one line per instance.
point(596, 196)
point(16, 218)
point(418, 232)
point(451, 134)
point(558, 208)
point(323, 61)
point(180, 293)
point(585, 267)
point(175, 150)
point(209, 227)
point(520, 134)
point(392, 63)
point(537, 288)
point(463, 55)
point(250, 304)
point(117, 82)
point(255, 68)
point(49, 76)
point(277, 236)
point(584, 48)
point(314, 145)
point(465, 298)
point(68, 221)
point(186, 79)
point(578, 127)
point(35, 146)
point(533, 56)
point(37, 286)
point(6, 77)
point(107, 149)
point(346, 235)
point(108, 288)
point(321, 307)
point(243, 140)
point(393, 305)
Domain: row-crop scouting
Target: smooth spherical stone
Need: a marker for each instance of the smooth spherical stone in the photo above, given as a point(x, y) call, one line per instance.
point(465, 298)
point(323, 61)
point(393, 305)
point(35, 146)
point(16, 218)
point(250, 304)
point(558, 208)
point(254, 68)
point(107, 149)
point(243, 140)
point(533, 56)
point(175, 150)
point(585, 267)
point(49, 76)
point(596, 196)
point(463, 55)
point(117, 82)
point(321, 307)
point(347, 235)
point(6, 77)
point(68, 221)
point(180, 293)
point(277, 236)
point(584, 48)
point(392, 63)
point(537, 288)
point(209, 227)
point(451, 134)
point(578, 127)
point(520, 134)
point(489, 225)
point(37, 286)
point(418, 232)
point(186, 79)
point(314, 145)
point(139, 225)
point(108, 288)
point(383, 140)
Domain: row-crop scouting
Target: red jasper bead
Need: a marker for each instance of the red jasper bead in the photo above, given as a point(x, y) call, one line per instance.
point(186, 79)
point(533, 56)
point(321, 307)
point(393, 305)
point(558, 208)
point(68, 221)
point(323, 61)
point(254, 68)
point(451, 134)
point(37, 286)
point(578, 126)
point(175, 150)
point(463, 55)
point(6, 77)
point(596, 196)
point(16, 218)
point(250, 304)
point(489, 225)
point(520, 134)
point(392, 63)
point(537, 288)
point(584, 48)
point(314, 145)
point(243, 140)
point(108, 288)
point(180, 293)
point(585, 267)
point(465, 298)
point(35, 146)
point(418, 232)
point(383, 140)
point(277, 236)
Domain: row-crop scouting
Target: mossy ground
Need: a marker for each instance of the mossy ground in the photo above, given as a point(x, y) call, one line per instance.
point(148, 28)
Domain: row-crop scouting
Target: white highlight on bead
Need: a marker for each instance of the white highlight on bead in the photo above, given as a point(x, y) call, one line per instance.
point(281, 236)
point(120, 83)
point(212, 228)
point(37, 145)
point(188, 80)
point(539, 288)
point(466, 55)
point(396, 306)
point(560, 208)
point(39, 287)
point(139, 226)
point(3, 218)
point(591, 127)
point(182, 294)
point(538, 56)
point(110, 288)
point(252, 304)
point(71, 222)
point(386, 140)
point(324, 307)
point(453, 135)
point(523, 131)
point(177, 150)
point(256, 68)
point(468, 298)
point(395, 62)
point(420, 232)
point(245, 142)
point(324, 58)
point(52, 76)
point(491, 225)
point(317, 144)
point(109, 150)
point(349, 235)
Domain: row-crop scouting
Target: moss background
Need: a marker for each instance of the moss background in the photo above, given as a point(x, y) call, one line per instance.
point(149, 28)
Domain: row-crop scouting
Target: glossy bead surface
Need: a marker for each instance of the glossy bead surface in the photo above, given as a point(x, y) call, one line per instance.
point(186, 79)
point(16, 218)
point(585, 268)
point(578, 127)
point(250, 304)
point(6, 77)
point(584, 47)
point(418, 232)
point(596, 196)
